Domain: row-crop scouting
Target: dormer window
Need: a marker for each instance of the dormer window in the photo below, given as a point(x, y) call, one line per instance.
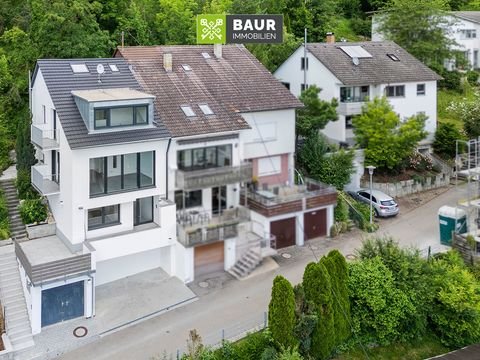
point(121, 116)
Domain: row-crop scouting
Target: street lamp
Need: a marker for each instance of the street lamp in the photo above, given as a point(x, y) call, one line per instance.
point(370, 172)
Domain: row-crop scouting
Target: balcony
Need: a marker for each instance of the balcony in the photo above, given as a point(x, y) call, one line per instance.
point(47, 259)
point(44, 181)
point(200, 227)
point(206, 178)
point(276, 200)
point(351, 106)
point(45, 138)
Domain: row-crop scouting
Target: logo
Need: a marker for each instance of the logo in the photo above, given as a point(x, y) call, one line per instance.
point(239, 29)
point(211, 29)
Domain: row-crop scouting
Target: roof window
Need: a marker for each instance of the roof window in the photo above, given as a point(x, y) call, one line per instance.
point(206, 55)
point(206, 109)
point(113, 67)
point(355, 51)
point(186, 67)
point(188, 111)
point(79, 68)
point(393, 57)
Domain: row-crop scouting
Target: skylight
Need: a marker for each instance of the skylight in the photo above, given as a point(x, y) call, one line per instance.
point(206, 55)
point(356, 51)
point(186, 67)
point(206, 109)
point(79, 68)
point(393, 57)
point(188, 111)
point(113, 67)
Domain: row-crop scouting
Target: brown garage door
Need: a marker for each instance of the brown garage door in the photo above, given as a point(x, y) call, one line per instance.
point(284, 231)
point(315, 224)
point(209, 258)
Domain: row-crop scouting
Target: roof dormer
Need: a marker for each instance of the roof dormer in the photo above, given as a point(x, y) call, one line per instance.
point(114, 109)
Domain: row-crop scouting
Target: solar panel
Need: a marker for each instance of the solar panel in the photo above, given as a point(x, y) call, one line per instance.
point(355, 51)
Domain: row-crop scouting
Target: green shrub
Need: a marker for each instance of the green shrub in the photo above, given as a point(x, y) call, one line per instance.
point(472, 77)
point(306, 319)
point(341, 210)
point(446, 136)
point(33, 211)
point(24, 186)
point(253, 346)
point(4, 224)
point(268, 354)
point(281, 312)
point(289, 354)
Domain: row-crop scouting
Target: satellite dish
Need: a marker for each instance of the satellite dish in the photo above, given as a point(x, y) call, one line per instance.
point(100, 69)
point(355, 61)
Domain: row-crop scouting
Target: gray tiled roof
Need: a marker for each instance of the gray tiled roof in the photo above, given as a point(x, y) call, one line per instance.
point(235, 83)
point(61, 80)
point(473, 16)
point(379, 69)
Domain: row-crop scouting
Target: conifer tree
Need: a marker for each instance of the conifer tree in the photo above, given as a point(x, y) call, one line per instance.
point(281, 312)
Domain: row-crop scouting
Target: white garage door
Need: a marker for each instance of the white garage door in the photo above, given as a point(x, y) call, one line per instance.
point(114, 269)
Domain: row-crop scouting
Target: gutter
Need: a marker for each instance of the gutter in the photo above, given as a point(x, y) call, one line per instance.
point(166, 167)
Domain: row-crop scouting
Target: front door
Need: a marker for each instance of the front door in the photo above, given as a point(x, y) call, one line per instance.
point(219, 199)
point(62, 303)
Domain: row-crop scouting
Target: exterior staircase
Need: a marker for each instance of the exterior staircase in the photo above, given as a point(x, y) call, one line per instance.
point(17, 322)
point(17, 228)
point(247, 263)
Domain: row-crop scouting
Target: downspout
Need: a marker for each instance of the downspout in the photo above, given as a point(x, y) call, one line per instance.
point(166, 167)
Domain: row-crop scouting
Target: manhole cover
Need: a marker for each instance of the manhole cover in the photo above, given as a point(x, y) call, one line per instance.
point(286, 255)
point(351, 257)
point(80, 331)
point(203, 284)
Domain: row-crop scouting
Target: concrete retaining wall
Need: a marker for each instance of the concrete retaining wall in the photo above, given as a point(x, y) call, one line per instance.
point(41, 230)
point(407, 187)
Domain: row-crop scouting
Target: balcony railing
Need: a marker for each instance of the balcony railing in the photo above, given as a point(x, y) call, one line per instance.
point(276, 200)
point(206, 178)
point(44, 137)
point(353, 99)
point(44, 181)
point(199, 227)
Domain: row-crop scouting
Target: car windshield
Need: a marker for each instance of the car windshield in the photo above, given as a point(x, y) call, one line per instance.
point(388, 203)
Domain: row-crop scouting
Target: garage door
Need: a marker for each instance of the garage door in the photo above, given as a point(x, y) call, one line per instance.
point(209, 258)
point(315, 223)
point(62, 303)
point(284, 231)
point(120, 267)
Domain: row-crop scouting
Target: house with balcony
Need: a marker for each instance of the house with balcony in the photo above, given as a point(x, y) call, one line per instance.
point(233, 141)
point(356, 72)
point(101, 152)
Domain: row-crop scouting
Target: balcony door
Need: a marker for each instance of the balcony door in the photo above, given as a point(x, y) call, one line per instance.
point(219, 199)
point(56, 166)
point(54, 124)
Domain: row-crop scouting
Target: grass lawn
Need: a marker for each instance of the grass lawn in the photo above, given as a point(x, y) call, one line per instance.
point(444, 98)
point(406, 351)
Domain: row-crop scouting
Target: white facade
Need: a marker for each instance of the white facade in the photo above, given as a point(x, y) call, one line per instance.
point(411, 103)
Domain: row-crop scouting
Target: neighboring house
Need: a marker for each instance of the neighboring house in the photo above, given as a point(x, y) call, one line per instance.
point(101, 152)
point(231, 123)
point(145, 160)
point(353, 73)
point(465, 30)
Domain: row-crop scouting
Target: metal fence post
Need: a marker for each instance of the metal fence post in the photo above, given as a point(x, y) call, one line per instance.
point(178, 354)
point(223, 335)
point(265, 320)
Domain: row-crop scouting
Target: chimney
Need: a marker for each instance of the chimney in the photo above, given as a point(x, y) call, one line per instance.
point(167, 62)
point(330, 38)
point(217, 50)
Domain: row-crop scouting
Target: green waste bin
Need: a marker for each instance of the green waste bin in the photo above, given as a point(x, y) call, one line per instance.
point(448, 216)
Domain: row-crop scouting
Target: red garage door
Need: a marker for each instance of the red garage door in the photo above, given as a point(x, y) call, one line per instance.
point(209, 258)
point(284, 231)
point(315, 224)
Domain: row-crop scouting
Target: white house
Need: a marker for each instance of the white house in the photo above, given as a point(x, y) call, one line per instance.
point(232, 124)
point(465, 31)
point(101, 153)
point(356, 72)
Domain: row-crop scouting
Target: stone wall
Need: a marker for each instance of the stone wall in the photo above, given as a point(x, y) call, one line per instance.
point(407, 187)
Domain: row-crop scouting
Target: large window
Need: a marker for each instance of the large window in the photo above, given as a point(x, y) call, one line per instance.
point(354, 94)
point(122, 173)
point(121, 116)
point(395, 91)
point(143, 210)
point(103, 216)
point(468, 34)
point(192, 199)
point(205, 158)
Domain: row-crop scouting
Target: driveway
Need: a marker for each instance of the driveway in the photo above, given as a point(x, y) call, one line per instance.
point(228, 307)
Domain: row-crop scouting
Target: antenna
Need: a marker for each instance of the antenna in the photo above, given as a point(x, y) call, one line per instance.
point(100, 71)
point(355, 61)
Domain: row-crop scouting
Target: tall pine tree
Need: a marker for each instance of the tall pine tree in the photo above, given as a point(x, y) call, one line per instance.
point(281, 312)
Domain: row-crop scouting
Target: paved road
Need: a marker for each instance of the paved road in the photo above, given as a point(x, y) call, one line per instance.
point(233, 305)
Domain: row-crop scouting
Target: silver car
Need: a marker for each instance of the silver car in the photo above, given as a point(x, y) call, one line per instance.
point(383, 204)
